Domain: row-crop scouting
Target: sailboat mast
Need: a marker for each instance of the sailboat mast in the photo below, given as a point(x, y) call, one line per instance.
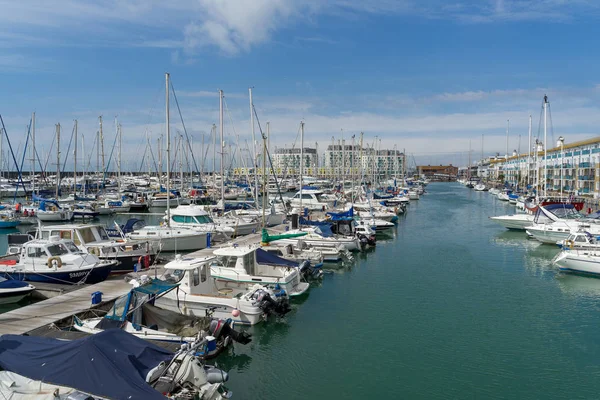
point(545, 147)
point(57, 159)
point(33, 154)
point(301, 162)
point(168, 129)
point(529, 152)
point(75, 162)
point(221, 145)
point(120, 132)
point(507, 131)
point(255, 151)
point(102, 153)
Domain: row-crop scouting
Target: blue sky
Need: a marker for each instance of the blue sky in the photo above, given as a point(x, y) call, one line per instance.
point(424, 75)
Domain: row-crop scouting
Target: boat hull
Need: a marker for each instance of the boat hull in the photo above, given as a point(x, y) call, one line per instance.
point(11, 296)
point(514, 222)
point(93, 274)
point(570, 261)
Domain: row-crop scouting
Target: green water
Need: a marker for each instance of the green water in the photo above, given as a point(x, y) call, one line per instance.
point(453, 307)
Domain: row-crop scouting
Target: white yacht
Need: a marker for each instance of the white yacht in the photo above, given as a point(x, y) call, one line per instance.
point(515, 222)
point(240, 267)
point(556, 222)
point(198, 294)
point(312, 237)
point(197, 218)
point(172, 238)
point(579, 261)
point(313, 199)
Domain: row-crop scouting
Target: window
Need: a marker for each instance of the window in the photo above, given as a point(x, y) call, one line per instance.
point(196, 276)
point(71, 247)
point(204, 219)
point(35, 252)
point(306, 197)
point(175, 276)
point(203, 273)
point(102, 233)
point(87, 235)
point(57, 249)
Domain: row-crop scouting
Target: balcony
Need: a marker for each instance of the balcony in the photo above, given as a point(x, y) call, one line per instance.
point(584, 165)
point(585, 177)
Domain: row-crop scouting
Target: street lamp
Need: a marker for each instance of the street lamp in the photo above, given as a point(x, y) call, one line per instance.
point(561, 143)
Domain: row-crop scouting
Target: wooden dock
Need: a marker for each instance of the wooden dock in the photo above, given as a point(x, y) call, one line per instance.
point(28, 318)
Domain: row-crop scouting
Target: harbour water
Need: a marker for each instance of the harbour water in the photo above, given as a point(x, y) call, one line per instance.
point(453, 307)
point(450, 305)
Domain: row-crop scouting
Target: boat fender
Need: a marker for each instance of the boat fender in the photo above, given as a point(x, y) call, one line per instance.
point(571, 244)
point(54, 262)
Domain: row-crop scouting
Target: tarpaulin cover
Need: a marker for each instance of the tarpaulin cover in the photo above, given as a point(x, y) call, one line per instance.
point(174, 322)
point(304, 221)
point(337, 216)
point(264, 257)
point(111, 364)
point(12, 284)
point(44, 202)
point(324, 231)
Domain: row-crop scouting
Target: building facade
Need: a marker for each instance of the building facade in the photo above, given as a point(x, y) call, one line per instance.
point(575, 167)
point(438, 172)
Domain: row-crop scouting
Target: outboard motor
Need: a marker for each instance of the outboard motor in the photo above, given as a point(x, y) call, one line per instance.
point(308, 271)
point(222, 329)
point(279, 306)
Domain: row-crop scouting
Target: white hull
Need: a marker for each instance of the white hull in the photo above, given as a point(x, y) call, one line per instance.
point(548, 236)
point(517, 222)
point(575, 261)
point(53, 216)
point(173, 239)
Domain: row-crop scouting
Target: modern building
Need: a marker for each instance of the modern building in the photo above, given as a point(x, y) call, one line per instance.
point(287, 161)
point(575, 167)
point(347, 160)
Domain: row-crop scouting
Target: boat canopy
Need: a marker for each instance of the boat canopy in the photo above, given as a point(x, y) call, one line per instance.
point(346, 215)
point(44, 202)
point(111, 364)
point(266, 238)
point(264, 257)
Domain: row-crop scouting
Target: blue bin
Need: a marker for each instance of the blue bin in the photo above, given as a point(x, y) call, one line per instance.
point(211, 343)
point(96, 298)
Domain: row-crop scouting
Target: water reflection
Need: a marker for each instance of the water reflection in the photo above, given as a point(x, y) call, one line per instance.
point(234, 362)
point(578, 285)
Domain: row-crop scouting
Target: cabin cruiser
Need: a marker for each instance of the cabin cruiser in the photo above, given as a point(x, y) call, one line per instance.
point(242, 266)
point(13, 291)
point(313, 236)
point(313, 199)
point(159, 200)
point(172, 238)
point(95, 239)
point(54, 261)
point(579, 261)
point(199, 295)
point(515, 222)
point(559, 221)
point(504, 195)
point(108, 207)
point(480, 187)
point(197, 218)
point(581, 240)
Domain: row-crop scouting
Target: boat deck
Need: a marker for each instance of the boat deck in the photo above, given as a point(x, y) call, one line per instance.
point(25, 319)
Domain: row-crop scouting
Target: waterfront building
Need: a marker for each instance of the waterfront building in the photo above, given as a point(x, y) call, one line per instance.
point(288, 160)
point(438, 172)
point(575, 167)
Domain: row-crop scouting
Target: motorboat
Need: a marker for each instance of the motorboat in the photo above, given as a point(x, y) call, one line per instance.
point(313, 199)
point(556, 222)
point(112, 364)
point(241, 267)
point(480, 187)
point(112, 206)
point(579, 261)
point(197, 218)
point(503, 195)
point(199, 295)
point(515, 222)
point(581, 240)
point(13, 291)
point(313, 236)
point(130, 255)
point(137, 314)
point(172, 238)
point(54, 261)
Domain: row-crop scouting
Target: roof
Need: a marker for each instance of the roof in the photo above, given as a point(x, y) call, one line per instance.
point(191, 210)
point(234, 251)
point(435, 166)
point(187, 263)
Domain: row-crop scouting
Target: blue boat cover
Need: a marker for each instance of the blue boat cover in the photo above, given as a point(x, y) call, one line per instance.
point(551, 207)
point(44, 202)
point(324, 231)
point(346, 215)
point(111, 364)
point(11, 284)
point(264, 257)
point(308, 222)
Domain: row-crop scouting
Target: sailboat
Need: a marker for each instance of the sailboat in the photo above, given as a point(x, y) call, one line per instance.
point(170, 238)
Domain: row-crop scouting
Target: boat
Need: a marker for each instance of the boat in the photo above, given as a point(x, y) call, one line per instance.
point(137, 314)
point(314, 237)
point(9, 222)
point(130, 255)
point(116, 364)
point(480, 187)
point(54, 261)
point(557, 221)
point(579, 261)
point(171, 238)
point(197, 218)
point(13, 291)
point(243, 266)
point(313, 199)
point(51, 211)
point(581, 240)
point(198, 294)
point(503, 195)
point(515, 222)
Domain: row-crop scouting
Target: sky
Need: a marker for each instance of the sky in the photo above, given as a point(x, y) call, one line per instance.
point(433, 77)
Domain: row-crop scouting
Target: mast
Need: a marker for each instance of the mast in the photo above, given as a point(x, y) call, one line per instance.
point(254, 147)
point(221, 145)
point(545, 147)
point(507, 130)
point(301, 162)
point(102, 153)
point(84, 164)
point(168, 129)
point(75, 162)
point(264, 168)
point(120, 133)
point(57, 159)
point(529, 151)
point(33, 153)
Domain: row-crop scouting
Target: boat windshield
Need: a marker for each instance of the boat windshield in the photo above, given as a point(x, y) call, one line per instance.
point(71, 247)
point(174, 276)
point(204, 219)
point(57, 249)
point(227, 261)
